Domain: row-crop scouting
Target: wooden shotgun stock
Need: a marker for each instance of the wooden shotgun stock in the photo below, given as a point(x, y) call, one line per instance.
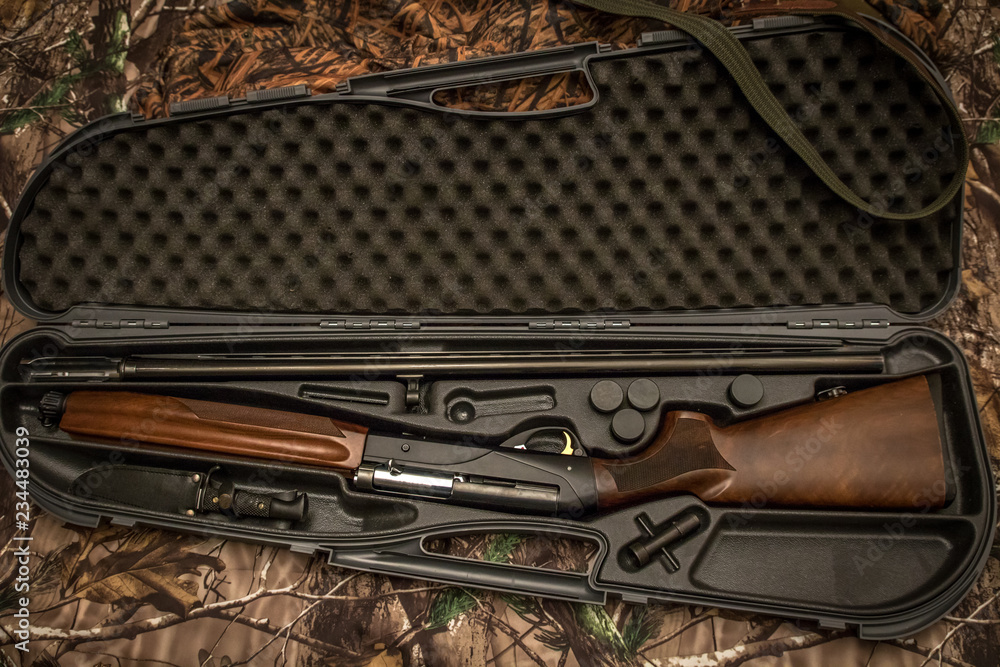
point(874, 448)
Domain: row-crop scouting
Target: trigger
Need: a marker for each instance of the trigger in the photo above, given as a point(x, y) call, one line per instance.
point(552, 441)
point(568, 450)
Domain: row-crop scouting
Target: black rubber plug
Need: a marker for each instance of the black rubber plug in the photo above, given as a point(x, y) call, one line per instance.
point(746, 391)
point(606, 396)
point(627, 425)
point(643, 394)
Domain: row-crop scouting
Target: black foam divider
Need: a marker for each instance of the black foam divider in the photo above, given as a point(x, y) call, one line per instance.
point(669, 193)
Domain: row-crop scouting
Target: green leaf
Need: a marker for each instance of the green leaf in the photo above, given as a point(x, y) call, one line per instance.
point(524, 606)
point(989, 132)
point(594, 620)
point(449, 605)
point(640, 627)
point(76, 49)
point(52, 96)
point(118, 49)
point(453, 602)
point(501, 547)
point(56, 93)
point(552, 639)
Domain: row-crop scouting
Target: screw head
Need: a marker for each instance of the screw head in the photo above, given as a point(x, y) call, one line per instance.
point(405, 447)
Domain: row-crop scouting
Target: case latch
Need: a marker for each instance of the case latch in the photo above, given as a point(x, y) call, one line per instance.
point(282, 93)
point(203, 104)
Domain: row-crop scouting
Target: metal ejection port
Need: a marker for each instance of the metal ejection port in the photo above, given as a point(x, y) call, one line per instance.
point(393, 478)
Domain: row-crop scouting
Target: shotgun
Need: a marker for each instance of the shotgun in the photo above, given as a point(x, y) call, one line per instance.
point(877, 448)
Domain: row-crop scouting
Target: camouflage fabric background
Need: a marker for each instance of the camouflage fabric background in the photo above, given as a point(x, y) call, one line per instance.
point(115, 596)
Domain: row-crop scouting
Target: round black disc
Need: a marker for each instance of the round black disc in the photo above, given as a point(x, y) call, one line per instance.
point(643, 394)
point(627, 425)
point(746, 391)
point(606, 396)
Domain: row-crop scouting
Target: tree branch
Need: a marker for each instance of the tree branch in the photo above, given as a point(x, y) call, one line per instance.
point(516, 636)
point(140, 14)
point(761, 631)
point(912, 646)
point(131, 630)
point(739, 655)
point(695, 620)
point(939, 649)
point(285, 630)
point(534, 626)
point(268, 628)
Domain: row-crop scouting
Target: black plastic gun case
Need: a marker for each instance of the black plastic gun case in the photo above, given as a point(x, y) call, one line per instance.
point(664, 220)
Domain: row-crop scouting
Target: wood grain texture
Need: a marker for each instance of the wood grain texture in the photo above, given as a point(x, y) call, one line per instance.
point(143, 419)
point(875, 448)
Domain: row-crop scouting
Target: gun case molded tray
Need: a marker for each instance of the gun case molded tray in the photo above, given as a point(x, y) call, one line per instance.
point(660, 214)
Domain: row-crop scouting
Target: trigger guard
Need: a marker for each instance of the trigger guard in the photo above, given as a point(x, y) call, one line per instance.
point(520, 440)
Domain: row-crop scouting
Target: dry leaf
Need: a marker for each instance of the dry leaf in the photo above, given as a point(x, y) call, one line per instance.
point(146, 569)
point(977, 288)
point(390, 657)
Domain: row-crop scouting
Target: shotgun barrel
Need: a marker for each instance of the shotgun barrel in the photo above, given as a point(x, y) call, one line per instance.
point(179, 367)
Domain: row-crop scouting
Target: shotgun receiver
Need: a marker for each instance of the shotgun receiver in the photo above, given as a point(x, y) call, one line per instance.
point(875, 448)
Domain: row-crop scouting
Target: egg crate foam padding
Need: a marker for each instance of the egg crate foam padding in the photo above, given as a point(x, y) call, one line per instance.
point(670, 192)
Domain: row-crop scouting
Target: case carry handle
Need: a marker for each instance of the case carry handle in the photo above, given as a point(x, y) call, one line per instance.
point(420, 84)
point(406, 556)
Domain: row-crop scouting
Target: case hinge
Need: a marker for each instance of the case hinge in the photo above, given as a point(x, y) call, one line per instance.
point(120, 324)
point(354, 324)
point(579, 325)
point(838, 324)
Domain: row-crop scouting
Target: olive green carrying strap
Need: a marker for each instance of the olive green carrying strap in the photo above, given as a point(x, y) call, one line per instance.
point(730, 52)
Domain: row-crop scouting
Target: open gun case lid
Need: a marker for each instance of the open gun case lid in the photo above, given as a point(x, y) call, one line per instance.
point(663, 211)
